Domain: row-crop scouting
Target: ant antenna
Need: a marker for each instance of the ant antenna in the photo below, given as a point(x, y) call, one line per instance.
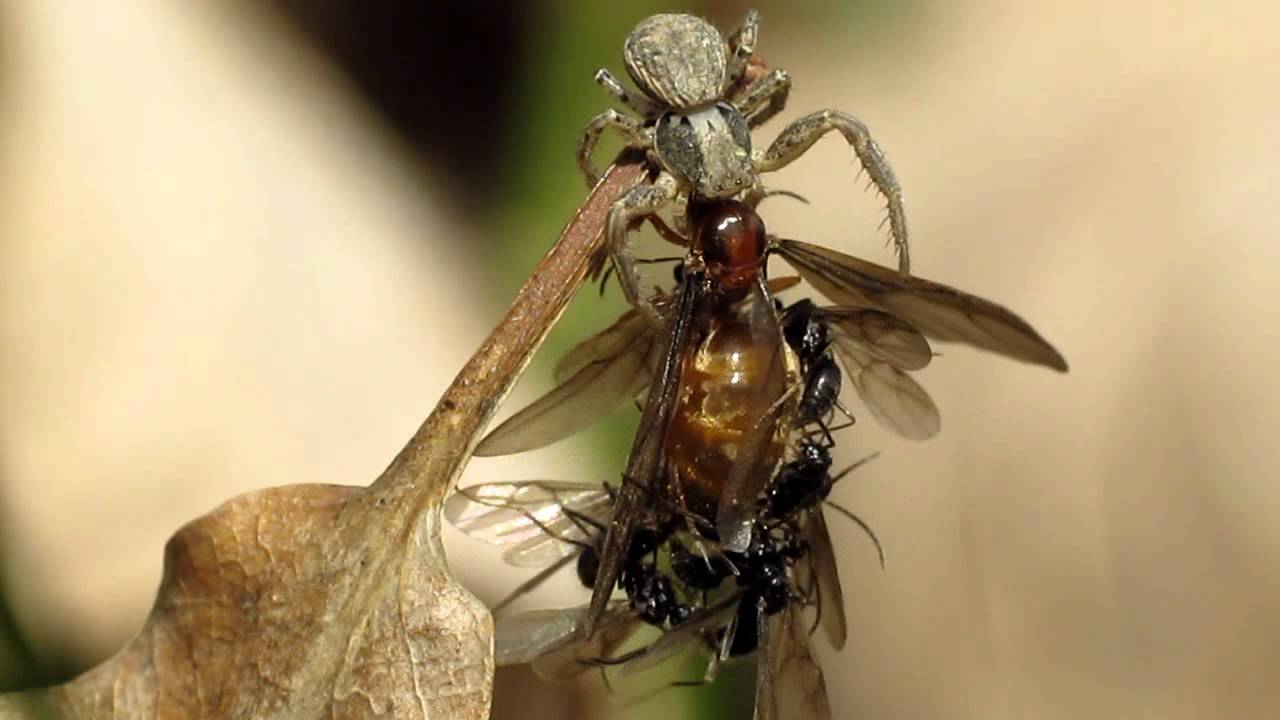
point(784, 193)
point(528, 585)
point(865, 528)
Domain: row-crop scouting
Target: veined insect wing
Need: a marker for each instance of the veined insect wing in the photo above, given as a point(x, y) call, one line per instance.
point(940, 312)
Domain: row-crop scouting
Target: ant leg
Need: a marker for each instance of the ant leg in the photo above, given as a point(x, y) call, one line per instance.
point(826, 435)
point(584, 523)
point(644, 199)
point(816, 429)
point(666, 232)
point(837, 428)
point(639, 103)
point(777, 404)
point(845, 412)
point(632, 131)
point(726, 640)
point(828, 428)
point(713, 669)
point(807, 599)
point(708, 676)
point(809, 435)
point(533, 582)
point(604, 279)
point(800, 135)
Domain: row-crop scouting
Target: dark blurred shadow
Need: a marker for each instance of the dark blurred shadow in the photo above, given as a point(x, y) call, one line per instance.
point(21, 666)
point(440, 74)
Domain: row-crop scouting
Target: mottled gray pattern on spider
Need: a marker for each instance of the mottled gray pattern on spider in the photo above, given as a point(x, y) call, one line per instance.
point(697, 104)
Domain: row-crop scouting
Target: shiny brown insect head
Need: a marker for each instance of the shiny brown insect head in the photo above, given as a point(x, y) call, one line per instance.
point(731, 238)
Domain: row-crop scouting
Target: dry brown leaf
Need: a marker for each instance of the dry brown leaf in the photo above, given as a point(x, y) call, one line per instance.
point(319, 601)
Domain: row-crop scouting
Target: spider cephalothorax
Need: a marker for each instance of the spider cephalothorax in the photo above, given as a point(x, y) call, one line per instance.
point(697, 103)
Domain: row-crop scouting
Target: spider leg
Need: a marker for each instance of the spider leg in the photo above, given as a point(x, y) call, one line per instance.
point(638, 102)
point(765, 97)
point(742, 45)
point(797, 137)
point(644, 199)
point(632, 131)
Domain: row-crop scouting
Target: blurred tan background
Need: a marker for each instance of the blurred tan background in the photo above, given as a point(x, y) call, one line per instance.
point(235, 252)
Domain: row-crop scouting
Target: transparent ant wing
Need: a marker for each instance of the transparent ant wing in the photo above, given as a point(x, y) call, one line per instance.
point(696, 633)
point(896, 401)
point(819, 567)
point(624, 336)
point(938, 311)
point(524, 637)
point(645, 460)
point(571, 659)
point(542, 520)
point(772, 406)
point(553, 642)
point(789, 681)
point(880, 335)
point(595, 378)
